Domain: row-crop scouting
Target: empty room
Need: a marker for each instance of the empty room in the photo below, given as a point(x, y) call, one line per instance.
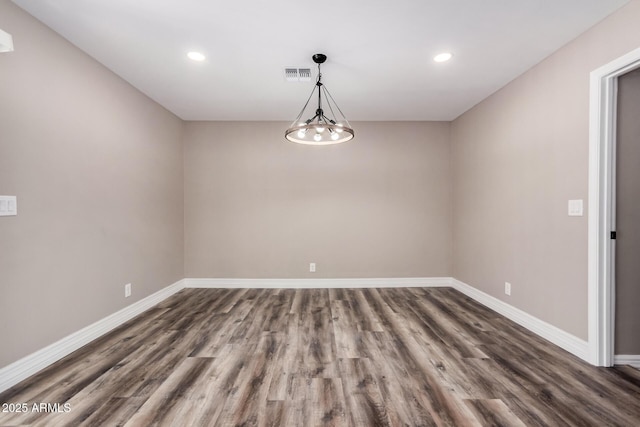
point(356, 213)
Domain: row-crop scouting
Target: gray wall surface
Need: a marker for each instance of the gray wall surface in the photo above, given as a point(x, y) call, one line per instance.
point(517, 158)
point(97, 168)
point(257, 206)
point(627, 282)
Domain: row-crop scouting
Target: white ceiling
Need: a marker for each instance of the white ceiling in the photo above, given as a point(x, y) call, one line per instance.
point(380, 52)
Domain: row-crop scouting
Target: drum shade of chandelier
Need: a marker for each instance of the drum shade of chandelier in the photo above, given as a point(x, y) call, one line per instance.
point(323, 127)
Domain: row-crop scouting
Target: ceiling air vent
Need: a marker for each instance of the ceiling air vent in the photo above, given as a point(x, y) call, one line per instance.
point(292, 74)
point(304, 74)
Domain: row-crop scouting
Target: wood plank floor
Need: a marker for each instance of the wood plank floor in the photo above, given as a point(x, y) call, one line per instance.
point(334, 357)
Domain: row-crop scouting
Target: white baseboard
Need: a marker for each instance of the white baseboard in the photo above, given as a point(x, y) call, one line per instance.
point(562, 339)
point(22, 369)
point(311, 283)
point(627, 359)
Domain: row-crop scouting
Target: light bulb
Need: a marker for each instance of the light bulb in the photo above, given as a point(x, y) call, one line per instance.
point(317, 137)
point(443, 57)
point(302, 133)
point(196, 56)
point(339, 127)
point(319, 130)
point(335, 136)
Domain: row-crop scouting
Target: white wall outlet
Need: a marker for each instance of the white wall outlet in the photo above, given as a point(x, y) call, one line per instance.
point(576, 208)
point(312, 267)
point(127, 290)
point(507, 288)
point(8, 205)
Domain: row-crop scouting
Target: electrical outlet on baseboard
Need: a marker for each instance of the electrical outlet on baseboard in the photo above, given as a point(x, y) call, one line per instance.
point(127, 290)
point(312, 267)
point(507, 288)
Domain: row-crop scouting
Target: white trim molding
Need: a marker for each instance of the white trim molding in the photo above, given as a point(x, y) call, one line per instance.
point(602, 137)
point(321, 283)
point(627, 359)
point(20, 370)
point(557, 336)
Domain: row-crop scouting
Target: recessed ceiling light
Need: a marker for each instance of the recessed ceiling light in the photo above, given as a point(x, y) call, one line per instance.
point(443, 57)
point(196, 56)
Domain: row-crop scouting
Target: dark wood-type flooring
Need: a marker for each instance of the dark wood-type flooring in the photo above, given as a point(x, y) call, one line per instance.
point(336, 357)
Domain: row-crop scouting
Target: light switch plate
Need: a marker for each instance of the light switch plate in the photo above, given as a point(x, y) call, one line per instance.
point(6, 42)
point(8, 205)
point(576, 208)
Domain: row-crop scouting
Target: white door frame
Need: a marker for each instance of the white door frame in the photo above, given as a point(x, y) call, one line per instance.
point(602, 138)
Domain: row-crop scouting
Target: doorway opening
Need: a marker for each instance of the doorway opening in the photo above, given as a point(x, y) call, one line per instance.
point(602, 172)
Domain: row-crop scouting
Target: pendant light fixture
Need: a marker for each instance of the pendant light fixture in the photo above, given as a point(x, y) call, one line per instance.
point(320, 129)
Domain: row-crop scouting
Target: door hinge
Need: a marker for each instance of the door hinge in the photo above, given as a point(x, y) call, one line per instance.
point(613, 235)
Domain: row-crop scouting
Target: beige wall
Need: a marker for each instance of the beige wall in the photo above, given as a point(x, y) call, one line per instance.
point(518, 157)
point(627, 282)
point(259, 207)
point(97, 168)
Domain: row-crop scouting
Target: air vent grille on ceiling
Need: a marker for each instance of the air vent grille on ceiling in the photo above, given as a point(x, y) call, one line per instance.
point(305, 74)
point(297, 74)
